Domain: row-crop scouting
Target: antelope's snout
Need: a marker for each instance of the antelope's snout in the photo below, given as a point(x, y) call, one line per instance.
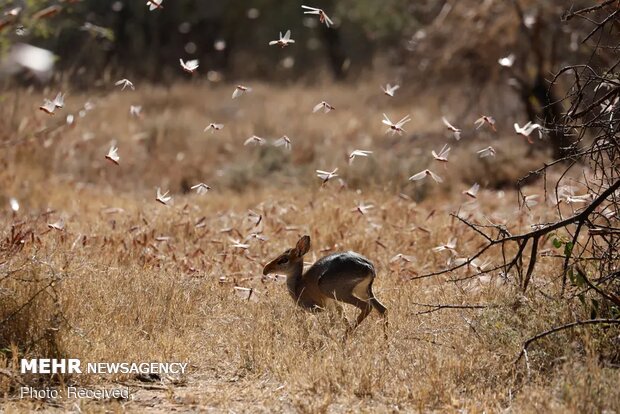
point(267, 269)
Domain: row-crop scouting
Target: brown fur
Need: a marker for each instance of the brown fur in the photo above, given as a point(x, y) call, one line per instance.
point(345, 277)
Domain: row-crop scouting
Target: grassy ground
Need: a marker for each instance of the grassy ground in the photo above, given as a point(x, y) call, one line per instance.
point(134, 280)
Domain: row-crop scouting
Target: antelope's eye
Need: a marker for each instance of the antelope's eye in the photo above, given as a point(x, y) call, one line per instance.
point(283, 260)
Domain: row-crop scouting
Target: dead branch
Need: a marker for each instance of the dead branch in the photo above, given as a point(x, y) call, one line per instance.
point(523, 239)
point(579, 13)
point(571, 325)
point(441, 306)
point(28, 302)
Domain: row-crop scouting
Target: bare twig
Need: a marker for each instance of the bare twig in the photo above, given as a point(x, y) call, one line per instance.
point(586, 10)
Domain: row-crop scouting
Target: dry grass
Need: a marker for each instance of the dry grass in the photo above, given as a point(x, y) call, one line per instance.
point(120, 294)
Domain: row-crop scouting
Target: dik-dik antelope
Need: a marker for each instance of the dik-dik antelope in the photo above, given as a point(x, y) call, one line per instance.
point(346, 277)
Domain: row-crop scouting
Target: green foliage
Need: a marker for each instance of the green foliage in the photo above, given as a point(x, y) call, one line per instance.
point(568, 248)
point(559, 241)
point(591, 305)
point(36, 28)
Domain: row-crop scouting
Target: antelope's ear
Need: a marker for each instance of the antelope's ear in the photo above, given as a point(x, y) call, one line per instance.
point(302, 247)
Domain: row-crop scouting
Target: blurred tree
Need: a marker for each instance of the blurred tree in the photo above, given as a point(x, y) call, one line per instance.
point(531, 31)
point(93, 37)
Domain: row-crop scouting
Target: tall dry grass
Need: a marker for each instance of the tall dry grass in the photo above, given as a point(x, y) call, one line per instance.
point(132, 280)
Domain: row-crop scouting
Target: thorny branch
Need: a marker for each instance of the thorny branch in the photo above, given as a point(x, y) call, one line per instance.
point(590, 236)
point(523, 239)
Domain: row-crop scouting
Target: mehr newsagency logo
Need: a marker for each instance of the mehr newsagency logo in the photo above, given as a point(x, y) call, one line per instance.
point(75, 366)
